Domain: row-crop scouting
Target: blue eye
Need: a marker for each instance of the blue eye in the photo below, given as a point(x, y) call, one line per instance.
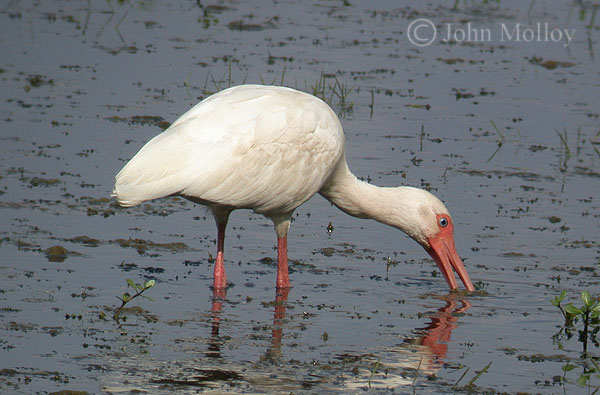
point(443, 222)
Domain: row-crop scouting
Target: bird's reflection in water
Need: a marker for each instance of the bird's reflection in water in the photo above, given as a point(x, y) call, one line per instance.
point(281, 297)
point(436, 335)
point(423, 354)
point(214, 344)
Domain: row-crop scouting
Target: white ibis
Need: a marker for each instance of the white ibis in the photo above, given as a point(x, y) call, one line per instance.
point(270, 149)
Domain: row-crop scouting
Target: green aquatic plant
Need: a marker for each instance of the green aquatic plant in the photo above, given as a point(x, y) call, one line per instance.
point(207, 20)
point(587, 317)
point(591, 370)
point(583, 11)
point(127, 297)
point(567, 316)
point(585, 322)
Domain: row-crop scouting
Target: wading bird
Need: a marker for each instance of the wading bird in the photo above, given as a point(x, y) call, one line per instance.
point(270, 149)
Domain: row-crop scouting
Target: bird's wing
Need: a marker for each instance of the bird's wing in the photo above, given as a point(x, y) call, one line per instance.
point(265, 149)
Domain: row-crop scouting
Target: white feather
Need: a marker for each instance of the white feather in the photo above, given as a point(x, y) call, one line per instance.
point(264, 148)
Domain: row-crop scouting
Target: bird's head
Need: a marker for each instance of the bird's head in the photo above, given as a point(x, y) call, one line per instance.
point(426, 219)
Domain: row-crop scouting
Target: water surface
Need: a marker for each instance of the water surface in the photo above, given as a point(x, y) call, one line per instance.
point(505, 132)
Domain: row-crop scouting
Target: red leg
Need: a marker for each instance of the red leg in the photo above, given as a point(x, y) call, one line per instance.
point(219, 277)
point(283, 278)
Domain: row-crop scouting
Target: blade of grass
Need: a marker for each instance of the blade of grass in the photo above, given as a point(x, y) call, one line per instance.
point(497, 131)
point(373, 372)
point(119, 24)
point(418, 369)
point(594, 362)
point(461, 377)
point(478, 375)
point(563, 139)
point(500, 142)
point(495, 152)
point(282, 76)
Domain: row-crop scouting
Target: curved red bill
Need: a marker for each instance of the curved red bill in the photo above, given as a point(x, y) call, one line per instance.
point(441, 248)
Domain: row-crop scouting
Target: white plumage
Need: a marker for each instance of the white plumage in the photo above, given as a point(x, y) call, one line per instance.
point(229, 150)
point(270, 149)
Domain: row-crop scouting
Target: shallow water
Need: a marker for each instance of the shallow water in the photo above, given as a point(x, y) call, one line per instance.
point(506, 132)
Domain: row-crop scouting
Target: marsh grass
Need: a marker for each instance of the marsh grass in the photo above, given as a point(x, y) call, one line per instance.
point(375, 367)
point(327, 87)
point(471, 382)
point(564, 151)
point(335, 93)
point(596, 141)
point(499, 142)
point(217, 84)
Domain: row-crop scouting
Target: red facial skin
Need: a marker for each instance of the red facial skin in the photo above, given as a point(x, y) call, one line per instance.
point(441, 248)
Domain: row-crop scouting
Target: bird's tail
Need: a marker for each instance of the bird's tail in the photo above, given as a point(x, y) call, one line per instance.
point(124, 195)
point(140, 181)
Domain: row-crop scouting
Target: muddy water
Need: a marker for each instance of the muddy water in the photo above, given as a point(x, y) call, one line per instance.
point(505, 129)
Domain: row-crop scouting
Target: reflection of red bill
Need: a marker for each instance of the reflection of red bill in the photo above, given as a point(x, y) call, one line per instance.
point(438, 331)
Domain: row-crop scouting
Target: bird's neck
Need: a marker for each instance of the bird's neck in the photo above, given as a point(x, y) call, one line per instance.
point(358, 198)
